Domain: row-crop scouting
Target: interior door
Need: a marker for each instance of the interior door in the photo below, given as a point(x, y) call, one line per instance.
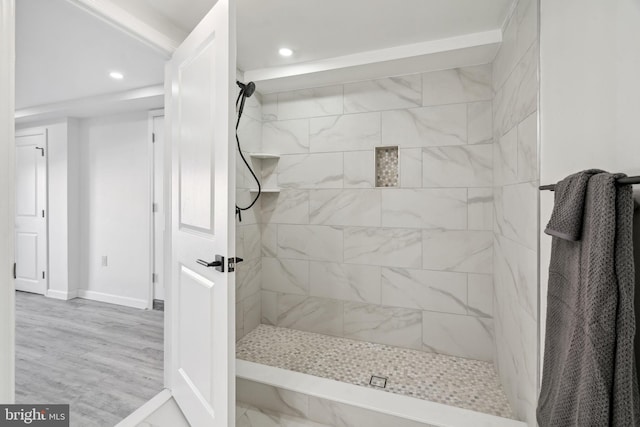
point(201, 82)
point(31, 211)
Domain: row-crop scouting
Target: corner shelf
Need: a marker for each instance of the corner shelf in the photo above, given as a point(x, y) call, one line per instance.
point(264, 156)
point(265, 190)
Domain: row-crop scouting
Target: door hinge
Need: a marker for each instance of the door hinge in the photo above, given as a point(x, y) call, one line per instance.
point(42, 213)
point(154, 207)
point(14, 270)
point(154, 278)
point(153, 137)
point(43, 275)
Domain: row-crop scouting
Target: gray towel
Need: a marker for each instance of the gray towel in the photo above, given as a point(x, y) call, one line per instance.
point(589, 372)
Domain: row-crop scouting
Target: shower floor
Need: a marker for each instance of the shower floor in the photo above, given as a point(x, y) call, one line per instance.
point(464, 383)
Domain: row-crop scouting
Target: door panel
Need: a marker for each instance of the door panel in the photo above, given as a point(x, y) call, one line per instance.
point(27, 179)
point(201, 84)
point(31, 211)
point(27, 253)
point(197, 176)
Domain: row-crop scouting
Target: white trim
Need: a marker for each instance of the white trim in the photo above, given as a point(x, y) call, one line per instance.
point(7, 197)
point(424, 411)
point(146, 410)
point(77, 107)
point(125, 21)
point(152, 168)
point(112, 299)
point(168, 235)
point(62, 295)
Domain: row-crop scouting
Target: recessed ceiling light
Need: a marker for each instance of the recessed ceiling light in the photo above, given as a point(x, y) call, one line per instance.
point(116, 75)
point(285, 51)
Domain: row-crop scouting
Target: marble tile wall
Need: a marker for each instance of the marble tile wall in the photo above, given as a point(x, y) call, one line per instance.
point(248, 232)
point(515, 180)
point(409, 266)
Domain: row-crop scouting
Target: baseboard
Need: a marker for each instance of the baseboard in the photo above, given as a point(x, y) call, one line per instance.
point(143, 412)
point(112, 299)
point(63, 295)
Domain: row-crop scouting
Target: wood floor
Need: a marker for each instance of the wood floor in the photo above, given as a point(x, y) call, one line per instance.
point(102, 359)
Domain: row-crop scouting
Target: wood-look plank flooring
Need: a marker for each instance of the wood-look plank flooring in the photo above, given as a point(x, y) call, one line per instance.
point(104, 360)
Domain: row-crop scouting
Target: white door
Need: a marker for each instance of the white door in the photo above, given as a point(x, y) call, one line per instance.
point(31, 210)
point(158, 207)
point(200, 111)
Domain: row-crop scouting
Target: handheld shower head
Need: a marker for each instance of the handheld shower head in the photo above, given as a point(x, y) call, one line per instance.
point(247, 89)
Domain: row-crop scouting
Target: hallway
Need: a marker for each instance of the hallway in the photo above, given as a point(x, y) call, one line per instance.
point(102, 359)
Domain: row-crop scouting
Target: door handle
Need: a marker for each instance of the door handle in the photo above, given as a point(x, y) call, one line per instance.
point(218, 263)
point(41, 150)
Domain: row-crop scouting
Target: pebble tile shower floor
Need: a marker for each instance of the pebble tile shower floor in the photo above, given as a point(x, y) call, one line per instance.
point(464, 383)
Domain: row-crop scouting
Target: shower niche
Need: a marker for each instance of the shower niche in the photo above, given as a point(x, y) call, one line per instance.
point(387, 166)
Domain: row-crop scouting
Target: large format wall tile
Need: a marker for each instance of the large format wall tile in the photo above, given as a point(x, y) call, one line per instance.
point(320, 315)
point(425, 290)
point(345, 133)
point(518, 98)
point(517, 213)
point(457, 85)
point(480, 295)
point(480, 121)
point(359, 169)
point(347, 282)
point(528, 149)
point(285, 137)
point(288, 207)
point(386, 325)
point(272, 398)
point(505, 158)
point(425, 127)
point(480, 208)
point(457, 335)
point(410, 167)
point(312, 242)
point(382, 246)
point(248, 278)
point(324, 170)
point(383, 94)
point(464, 251)
point(269, 308)
point(468, 166)
point(270, 107)
point(343, 257)
point(290, 276)
point(323, 101)
point(428, 208)
point(345, 207)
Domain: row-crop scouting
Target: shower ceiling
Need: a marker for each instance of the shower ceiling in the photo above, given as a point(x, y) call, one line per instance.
point(320, 29)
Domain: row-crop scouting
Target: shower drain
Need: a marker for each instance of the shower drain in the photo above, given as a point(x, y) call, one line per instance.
point(376, 381)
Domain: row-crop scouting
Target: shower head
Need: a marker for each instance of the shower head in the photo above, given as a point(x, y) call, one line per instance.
point(247, 89)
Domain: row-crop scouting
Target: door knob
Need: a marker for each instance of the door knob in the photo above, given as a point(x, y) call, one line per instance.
point(218, 263)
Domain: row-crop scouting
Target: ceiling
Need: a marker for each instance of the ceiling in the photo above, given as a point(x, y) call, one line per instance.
point(320, 29)
point(64, 53)
point(77, 50)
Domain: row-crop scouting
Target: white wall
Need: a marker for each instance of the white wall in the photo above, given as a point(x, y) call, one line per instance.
point(590, 96)
point(115, 209)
